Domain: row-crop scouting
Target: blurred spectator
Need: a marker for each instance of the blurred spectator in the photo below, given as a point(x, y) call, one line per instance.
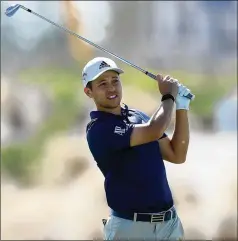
point(226, 113)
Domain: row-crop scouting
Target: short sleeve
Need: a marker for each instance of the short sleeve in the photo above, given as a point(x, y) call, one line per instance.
point(107, 137)
point(163, 136)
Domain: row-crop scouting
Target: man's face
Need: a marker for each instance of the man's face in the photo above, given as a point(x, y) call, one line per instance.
point(106, 90)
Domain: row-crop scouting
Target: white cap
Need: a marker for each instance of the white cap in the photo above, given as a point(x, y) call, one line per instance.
point(97, 66)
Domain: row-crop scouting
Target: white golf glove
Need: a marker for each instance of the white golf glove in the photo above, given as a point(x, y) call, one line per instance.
point(182, 103)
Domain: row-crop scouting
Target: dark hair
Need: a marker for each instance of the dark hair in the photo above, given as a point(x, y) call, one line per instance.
point(89, 85)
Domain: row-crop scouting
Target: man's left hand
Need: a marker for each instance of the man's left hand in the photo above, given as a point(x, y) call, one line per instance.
point(182, 103)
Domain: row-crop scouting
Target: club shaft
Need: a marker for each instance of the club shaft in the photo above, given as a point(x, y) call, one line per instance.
point(82, 38)
point(190, 96)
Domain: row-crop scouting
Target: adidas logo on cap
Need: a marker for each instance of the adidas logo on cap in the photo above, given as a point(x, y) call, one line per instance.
point(103, 65)
point(97, 66)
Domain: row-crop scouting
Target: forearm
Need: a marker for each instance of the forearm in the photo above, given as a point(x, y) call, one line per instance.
point(180, 139)
point(160, 120)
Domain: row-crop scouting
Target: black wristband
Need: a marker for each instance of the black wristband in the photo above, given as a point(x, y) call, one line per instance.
point(167, 96)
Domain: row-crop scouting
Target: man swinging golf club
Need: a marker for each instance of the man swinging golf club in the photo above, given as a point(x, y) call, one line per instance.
point(129, 148)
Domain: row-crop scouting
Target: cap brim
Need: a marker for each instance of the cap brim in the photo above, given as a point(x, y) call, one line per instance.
point(119, 71)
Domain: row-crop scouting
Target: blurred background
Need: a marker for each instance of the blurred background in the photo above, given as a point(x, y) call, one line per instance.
point(50, 185)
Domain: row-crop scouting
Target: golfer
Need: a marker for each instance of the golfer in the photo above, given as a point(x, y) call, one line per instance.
point(130, 148)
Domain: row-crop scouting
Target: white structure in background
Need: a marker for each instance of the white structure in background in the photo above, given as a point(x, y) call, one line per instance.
point(166, 36)
point(5, 125)
point(180, 31)
point(225, 115)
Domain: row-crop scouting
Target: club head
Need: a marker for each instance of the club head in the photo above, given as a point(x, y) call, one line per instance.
point(10, 11)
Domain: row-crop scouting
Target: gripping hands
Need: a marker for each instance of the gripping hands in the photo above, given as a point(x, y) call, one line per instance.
point(182, 103)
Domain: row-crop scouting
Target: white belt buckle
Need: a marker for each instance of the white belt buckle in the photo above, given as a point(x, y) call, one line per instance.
point(157, 218)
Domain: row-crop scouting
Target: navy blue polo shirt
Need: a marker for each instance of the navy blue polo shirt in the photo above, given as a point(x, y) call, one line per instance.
point(135, 177)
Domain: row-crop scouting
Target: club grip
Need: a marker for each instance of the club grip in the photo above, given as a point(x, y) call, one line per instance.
point(189, 96)
point(150, 75)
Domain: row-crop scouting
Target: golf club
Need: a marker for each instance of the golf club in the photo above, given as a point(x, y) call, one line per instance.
point(10, 11)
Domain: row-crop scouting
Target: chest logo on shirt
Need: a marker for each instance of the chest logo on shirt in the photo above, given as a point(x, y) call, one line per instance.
point(118, 130)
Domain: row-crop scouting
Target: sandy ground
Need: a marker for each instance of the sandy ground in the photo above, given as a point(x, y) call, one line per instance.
point(69, 201)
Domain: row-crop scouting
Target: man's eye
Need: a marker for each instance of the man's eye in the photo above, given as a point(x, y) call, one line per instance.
point(102, 84)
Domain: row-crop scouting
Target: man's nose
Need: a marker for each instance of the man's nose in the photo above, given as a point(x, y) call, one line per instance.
point(111, 88)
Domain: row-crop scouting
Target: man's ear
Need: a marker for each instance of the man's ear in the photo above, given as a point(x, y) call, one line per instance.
point(88, 92)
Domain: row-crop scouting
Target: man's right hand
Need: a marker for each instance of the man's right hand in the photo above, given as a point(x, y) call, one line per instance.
point(159, 121)
point(167, 85)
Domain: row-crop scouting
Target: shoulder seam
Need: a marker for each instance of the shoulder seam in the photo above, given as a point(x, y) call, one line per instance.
point(91, 123)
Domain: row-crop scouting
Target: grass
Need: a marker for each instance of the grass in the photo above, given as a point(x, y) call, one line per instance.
point(19, 159)
point(207, 89)
point(64, 85)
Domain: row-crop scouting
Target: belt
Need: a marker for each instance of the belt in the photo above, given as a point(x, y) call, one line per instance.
point(146, 217)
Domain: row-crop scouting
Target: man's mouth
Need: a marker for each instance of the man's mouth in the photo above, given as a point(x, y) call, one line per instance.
point(111, 97)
